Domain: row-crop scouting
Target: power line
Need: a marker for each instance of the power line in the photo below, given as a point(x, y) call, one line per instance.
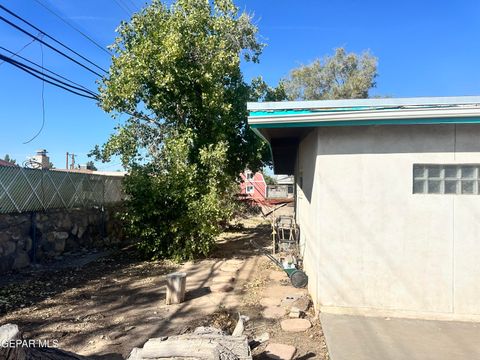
point(15, 62)
point(50, 37)
point(32, 72)
point(49, 71)
point(19, 51)
point(43, 102)
point(134, 6)
point(48, 45)
point(73, 27)
point(123, 7)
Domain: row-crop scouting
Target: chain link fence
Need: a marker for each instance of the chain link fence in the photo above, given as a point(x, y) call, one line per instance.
point(24, 190)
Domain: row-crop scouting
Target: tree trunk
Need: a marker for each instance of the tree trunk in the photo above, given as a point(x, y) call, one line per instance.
point(176, 283)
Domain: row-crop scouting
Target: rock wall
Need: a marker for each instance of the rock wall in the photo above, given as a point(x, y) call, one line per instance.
point(42, 236)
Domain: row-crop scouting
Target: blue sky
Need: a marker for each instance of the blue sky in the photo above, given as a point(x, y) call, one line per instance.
point(424, 48)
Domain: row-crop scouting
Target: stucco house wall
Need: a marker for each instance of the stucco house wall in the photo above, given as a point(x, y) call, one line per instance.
point(370, 245)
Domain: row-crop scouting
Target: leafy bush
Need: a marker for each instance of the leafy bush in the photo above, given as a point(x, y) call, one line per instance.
point(175, 206)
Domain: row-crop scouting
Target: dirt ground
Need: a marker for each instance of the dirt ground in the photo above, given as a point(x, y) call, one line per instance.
point(112, 302)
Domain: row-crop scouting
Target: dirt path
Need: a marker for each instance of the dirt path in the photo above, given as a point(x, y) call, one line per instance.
point(115, 303)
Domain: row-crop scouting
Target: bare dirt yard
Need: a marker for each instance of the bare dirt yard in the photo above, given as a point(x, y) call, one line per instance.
point(103, 304)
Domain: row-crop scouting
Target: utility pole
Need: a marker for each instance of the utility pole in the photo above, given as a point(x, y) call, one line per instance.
point(72, 163)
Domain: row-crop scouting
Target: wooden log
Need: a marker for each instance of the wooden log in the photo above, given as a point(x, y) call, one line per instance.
point(10, 350)
point(176, 283)
point(191, 346)
point(10, 333)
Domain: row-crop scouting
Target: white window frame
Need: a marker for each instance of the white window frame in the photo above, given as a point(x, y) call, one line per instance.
point(250, 187)
point(249, 175)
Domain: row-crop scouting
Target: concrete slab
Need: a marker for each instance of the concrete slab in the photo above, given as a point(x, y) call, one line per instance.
point(370, 338)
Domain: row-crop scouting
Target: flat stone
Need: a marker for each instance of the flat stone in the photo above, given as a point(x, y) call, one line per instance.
point(280, 351)
point(302, 303)
point(288, 300)
point(269, 301)
point(295, 325)
point(273, 312)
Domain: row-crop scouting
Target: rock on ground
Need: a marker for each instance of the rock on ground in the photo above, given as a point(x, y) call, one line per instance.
point(273, 312)
point(280, 351)
point(295, 325)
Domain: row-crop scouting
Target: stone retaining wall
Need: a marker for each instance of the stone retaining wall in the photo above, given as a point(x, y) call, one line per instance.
point(42, 236)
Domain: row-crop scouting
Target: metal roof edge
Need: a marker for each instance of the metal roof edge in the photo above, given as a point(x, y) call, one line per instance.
point(315, 104)
point(334, 123)
point(372, 116)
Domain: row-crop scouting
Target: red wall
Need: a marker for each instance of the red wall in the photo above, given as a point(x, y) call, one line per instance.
point(259, 186)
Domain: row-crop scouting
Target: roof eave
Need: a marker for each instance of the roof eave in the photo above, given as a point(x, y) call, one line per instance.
point(468, 114)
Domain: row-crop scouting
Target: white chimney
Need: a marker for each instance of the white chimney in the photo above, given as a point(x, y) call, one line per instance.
point(41, 160)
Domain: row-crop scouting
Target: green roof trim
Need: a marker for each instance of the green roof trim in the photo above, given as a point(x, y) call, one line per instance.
point(426, 121)
point(312, 111)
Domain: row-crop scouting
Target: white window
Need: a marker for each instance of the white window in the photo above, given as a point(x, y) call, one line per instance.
point(461, 179)
point(249, 189)
point(249, 175)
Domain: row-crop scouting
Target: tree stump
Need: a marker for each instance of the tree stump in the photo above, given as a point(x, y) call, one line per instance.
point(176, 283)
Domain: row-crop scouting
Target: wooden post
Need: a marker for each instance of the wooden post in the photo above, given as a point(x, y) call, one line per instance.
point(176, 283)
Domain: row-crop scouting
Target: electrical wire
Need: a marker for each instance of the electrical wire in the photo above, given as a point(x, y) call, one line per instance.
point(22, 65)
point(124, 8)
point(73, 27)
point(26, 69)
point(50, 37)
point(19, 51)
point(134, 6)
point(49, 71)
point(43, 102)
point(48, 45)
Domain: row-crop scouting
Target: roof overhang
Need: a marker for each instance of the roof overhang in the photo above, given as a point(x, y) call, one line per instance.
point(283, 124)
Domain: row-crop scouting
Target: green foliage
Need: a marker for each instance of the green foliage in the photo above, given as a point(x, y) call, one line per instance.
point(341, 76)
point(260, 91)
point(269, 180)
point(178, 67)
point(175, 206)
point(91, 166)
point(176, 71)
point(9, 159)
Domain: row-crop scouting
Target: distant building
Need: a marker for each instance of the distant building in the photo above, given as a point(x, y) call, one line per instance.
point(40, 160)
point(253, 185)
point(283, 189)
point(7, 163)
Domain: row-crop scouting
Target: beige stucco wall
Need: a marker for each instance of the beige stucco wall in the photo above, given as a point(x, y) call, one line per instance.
point(370, 245)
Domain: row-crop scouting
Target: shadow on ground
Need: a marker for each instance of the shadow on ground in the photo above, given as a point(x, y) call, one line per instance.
point(115, 303)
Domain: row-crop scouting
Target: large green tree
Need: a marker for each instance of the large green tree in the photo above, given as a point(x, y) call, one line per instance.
point(176, 71)
point(341, 76)
point(178, 67)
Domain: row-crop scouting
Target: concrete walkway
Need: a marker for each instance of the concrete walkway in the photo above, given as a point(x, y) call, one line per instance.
point(370, 338)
